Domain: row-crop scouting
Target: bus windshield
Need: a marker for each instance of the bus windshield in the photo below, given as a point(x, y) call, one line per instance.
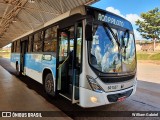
point(106, 55)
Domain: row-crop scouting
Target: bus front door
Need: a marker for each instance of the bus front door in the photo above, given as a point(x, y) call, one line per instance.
point(66, 71)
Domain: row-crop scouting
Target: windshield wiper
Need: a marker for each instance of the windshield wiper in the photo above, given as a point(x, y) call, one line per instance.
point(115, 37)
point(106, 31)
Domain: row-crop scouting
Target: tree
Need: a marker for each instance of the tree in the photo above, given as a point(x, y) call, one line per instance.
point(149, 26)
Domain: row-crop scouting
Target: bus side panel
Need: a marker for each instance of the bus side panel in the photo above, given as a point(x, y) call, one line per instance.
point(49, 62)
point(15, 57)
point(51, 65)
point(35, 64)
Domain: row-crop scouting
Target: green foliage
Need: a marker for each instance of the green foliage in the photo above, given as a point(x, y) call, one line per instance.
point(148, 56)
point(149, 26)
point(155, 56)
point(142, 56)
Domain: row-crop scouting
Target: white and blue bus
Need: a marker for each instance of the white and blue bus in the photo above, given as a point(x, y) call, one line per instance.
point(86, 55)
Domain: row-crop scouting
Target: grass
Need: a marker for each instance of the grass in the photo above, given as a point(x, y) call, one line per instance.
point(142, 56)
point(148, 55)
point(155, 56)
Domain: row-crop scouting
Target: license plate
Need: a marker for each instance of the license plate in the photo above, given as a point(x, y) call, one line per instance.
point(121, 99)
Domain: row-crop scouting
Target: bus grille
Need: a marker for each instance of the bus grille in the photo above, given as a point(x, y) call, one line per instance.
point(116, 79)
point(114, 97)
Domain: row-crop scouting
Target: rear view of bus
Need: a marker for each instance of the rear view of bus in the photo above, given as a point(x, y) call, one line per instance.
point(109, 59)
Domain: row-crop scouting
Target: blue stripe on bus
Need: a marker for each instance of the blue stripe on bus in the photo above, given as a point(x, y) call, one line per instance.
point(15, 57)
point(35, 62)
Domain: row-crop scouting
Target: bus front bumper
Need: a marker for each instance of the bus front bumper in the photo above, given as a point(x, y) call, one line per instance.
point(89, 98)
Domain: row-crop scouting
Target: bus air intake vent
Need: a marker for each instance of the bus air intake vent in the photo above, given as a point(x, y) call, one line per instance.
point(116, 79)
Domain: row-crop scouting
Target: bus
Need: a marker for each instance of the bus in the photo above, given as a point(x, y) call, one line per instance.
point(86, 55)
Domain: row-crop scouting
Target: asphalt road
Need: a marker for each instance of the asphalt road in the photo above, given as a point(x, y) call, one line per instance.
point(147, 97)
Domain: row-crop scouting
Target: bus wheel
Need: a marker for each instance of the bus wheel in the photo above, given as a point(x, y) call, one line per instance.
point(49, 85)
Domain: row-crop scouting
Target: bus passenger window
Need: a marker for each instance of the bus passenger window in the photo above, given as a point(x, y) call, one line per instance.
point(18, 46)
point(50, 39)
point(63, 45)
point(30, 44)
point(37, 45)
point(15, 45)
point(12, 47)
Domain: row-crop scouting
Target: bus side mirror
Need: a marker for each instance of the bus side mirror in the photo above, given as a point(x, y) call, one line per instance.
point(88, 32)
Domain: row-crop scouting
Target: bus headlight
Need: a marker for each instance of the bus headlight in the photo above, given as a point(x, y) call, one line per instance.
point(94, 85)
point(93, 99)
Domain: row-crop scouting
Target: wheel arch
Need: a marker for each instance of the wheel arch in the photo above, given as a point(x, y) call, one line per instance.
point(44, 74)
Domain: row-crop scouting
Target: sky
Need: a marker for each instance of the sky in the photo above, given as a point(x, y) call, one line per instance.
point(129, 9)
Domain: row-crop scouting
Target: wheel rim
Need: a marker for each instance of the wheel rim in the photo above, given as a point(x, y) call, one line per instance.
point(49, 85)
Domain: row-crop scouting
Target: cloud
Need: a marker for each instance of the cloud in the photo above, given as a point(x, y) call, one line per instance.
point(130, 17)
point(115, 11)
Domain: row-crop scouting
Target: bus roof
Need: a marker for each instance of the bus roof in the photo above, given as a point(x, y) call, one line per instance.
point(77, 10)
point(98, 14)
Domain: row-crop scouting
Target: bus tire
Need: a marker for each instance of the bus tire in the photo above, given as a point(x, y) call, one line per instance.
point(49, 85)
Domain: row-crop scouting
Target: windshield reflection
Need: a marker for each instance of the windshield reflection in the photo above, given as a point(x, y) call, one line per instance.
point(106, 56)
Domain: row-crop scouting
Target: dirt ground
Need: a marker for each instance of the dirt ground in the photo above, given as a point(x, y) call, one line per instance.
point(157, 62)
point(148, 71)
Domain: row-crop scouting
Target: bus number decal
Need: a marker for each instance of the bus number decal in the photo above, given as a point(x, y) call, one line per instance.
point(112, 87)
